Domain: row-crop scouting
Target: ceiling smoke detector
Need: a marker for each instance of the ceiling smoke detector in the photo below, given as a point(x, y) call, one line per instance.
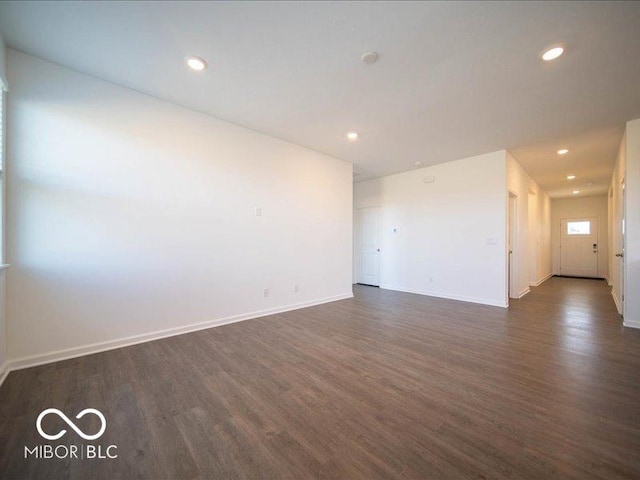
point(369, 57)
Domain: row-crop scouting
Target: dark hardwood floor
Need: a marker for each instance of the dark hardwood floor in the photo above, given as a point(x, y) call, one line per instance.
point(386, 385)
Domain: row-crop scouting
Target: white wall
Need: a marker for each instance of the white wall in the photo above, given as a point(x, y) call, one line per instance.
point(3, 304)
point(128, 215)
point(444, 229)
point(532, 249)
point(632, 216)
point(576, 207)
point(540, 236)
point(3, 65)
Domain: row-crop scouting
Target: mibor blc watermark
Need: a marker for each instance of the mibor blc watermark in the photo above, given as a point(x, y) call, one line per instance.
point(72, 451)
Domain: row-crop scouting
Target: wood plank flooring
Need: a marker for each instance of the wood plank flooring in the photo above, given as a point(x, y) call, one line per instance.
point(383, 386)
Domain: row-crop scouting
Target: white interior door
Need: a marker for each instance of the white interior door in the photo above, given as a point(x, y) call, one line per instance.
point(512, 231)
point(579, 247)
point(369, 223)
point(620, 254)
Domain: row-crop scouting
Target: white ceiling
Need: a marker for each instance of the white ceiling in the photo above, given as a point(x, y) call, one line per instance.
point(454, 79)
point(591, 159)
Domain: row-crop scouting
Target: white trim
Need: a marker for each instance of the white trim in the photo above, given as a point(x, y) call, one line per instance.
point(462, 298)
point(631, 323)
point(56, 356)
point(4, 266)
point(617, 302)
point(4, 372)
point(523, 292)
point(541, 281)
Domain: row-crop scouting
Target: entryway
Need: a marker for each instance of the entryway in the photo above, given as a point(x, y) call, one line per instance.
point(579, 247)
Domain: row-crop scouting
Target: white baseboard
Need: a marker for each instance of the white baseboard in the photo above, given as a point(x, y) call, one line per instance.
point(73, 352)
point(631, 323)
point(4, 371)
point(541, 281)
point(617, 302)
point(462, 298)
point(523, 292)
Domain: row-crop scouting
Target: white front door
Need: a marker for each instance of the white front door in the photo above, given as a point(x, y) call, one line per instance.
point(369, 223)
point(579, 247)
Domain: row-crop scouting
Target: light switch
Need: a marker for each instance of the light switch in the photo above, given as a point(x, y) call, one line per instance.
point(492, 241)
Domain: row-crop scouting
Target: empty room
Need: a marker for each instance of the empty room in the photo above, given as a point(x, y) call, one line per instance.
point(319, 240)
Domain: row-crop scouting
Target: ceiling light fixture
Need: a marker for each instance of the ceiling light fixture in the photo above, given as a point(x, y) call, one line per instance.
point(570, 177)
point(552, 53)
point(575, 192)
point(417, 164)
point(563, 151)
point(352, 136)
point(369, 57)
point(196, 63)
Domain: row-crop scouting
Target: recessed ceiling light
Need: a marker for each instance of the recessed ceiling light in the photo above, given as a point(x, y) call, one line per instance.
point(196, 63)
point(352, 136)
point(575, 192)
point(369, 57)
point(552, 53)
point(563, 151)
point(417, 164)
point(570, 177)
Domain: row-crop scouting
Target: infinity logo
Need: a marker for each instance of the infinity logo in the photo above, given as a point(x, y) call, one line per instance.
point(71, 424)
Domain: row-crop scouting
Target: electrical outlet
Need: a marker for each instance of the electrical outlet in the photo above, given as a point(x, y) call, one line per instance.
point(296, 289)
point(266, 292)
point(430, 279)
point(259, 213)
